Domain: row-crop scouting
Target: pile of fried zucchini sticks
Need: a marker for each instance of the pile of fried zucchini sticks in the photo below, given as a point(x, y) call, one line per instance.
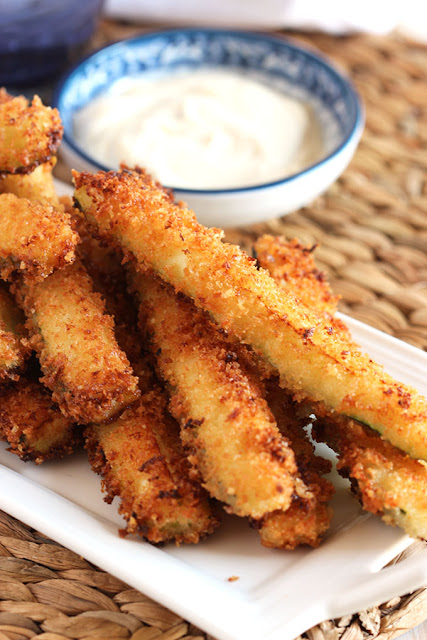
point(188, 369)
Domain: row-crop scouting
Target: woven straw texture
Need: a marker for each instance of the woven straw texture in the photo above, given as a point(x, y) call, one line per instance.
point(371, 228)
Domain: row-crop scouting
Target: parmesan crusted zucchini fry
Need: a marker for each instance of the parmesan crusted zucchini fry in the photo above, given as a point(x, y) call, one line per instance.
point(12, 351)
point(292, 266)
point(313, 361)
point(32, 425)
point(309, 515)
point(84, 367)
point(141, 460)
point(387, 481)
point(104, 266)
point(226, 424)
point(37, 186)
point(30, 134)
point(139, 455)
point(35, 239)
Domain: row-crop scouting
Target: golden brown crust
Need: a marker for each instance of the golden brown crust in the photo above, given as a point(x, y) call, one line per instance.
point(33, 425)
point(37, 186)
point(140, 459)
point(30, 134)
point(387, 481)
point(12, 352)
point(35, 239)
point(145, 434)
point(292, 265)
point(304, 523)
point(226, 426)
point(88, 373)
point(309, 515)
point(104, 265)
point(314, 361)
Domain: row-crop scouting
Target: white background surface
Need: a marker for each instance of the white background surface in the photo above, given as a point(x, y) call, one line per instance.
point(335, 16)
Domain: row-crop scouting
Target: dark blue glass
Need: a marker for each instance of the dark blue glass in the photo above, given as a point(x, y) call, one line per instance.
point(40, 38)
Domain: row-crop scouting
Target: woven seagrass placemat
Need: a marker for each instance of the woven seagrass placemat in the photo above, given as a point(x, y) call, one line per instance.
point(371, 228)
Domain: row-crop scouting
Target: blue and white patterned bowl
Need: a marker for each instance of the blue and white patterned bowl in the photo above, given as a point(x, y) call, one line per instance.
point(276, 62)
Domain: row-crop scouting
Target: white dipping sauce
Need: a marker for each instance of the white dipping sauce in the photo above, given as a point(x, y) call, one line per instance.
point(206, 129)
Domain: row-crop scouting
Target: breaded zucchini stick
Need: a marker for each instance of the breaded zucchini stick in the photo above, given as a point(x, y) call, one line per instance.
point(140, 455)
point(12, 352)
point(386, 480)
point(84, 367)
point(104, 265)
point(140, 458)
point(30, 134)
point(33, 425)
point(35, 239)
point(230, 458)
point(309, 515)
point(37, 186)
point(293, 268)
point(226, 425)
point(313, 361)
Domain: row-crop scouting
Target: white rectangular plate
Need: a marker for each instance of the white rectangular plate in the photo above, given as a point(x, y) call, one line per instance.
point(278, 594)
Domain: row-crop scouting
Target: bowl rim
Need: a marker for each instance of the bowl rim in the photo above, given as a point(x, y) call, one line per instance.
point(354, 133)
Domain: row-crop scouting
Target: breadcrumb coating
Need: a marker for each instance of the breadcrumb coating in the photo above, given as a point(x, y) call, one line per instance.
point(140, 459)
point(151, 461)
point(30, 133)
point(87, 372)
point(309, 515)
point(12, 352)
point(33, 425)
point(35, 239)
point(37, 186)
point(226, 425)
point(386, 480)
point(315, 362)
point(292, 266)
point(104, 265)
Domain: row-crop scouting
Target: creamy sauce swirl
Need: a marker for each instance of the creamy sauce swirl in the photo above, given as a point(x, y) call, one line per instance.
point(205, 129)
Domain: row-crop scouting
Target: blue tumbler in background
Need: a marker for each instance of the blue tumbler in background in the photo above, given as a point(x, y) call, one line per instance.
point(40, 38)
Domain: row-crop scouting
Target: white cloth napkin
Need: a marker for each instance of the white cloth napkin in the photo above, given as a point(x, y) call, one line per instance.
point(334, 16)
